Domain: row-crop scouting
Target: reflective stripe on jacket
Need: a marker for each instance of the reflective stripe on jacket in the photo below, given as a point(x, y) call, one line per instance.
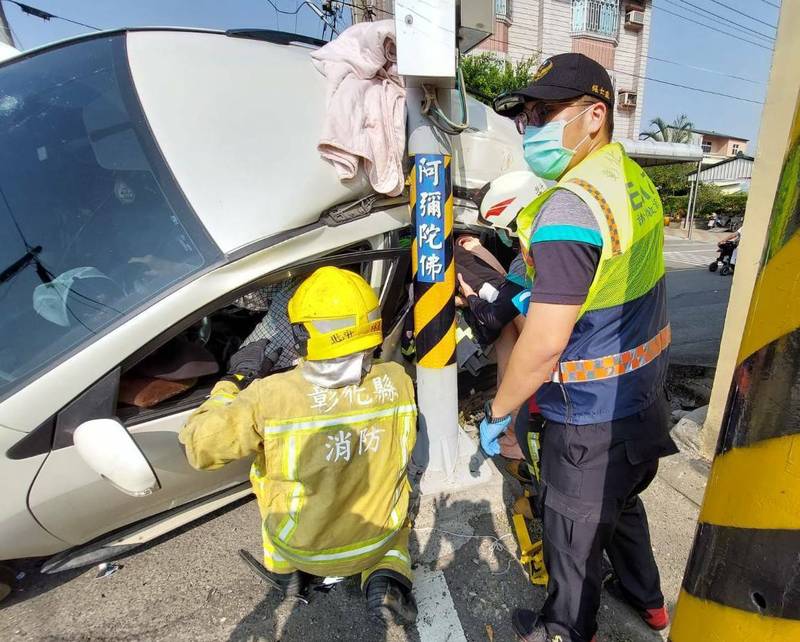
point(330, 466)
point(625, 310)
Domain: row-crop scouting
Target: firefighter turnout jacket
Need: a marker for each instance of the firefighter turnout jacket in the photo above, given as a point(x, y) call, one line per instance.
point(330, 466)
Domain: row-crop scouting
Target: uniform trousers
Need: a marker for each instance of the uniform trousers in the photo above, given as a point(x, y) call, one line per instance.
point(592, 476)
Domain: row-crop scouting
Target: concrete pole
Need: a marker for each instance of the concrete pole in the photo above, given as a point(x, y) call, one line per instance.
point(450, 459)
point(741, 580)
point(776, 127)
point(693, 201)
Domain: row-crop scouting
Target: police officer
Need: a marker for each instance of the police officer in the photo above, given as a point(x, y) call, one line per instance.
point(331, 440)
point(594, 349)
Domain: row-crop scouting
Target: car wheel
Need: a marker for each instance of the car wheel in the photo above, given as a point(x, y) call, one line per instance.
point(712, 267)
point(7, 578)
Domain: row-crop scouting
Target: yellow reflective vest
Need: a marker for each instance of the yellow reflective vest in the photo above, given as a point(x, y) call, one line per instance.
point(615, 362)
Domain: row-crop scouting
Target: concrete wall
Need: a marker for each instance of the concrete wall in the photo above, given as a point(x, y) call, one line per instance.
point(776, 124)
point(630, 63)
point(557, 27)
point(525, 31)
point(545, 25)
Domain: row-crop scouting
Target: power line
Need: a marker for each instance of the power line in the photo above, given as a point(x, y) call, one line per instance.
point(46, 15)
point(771, 4)
point(287, 13)
point(650, 78)
point(707, 26)
point(735, 25)
point(711, 71)
point(741, 13)
point(656, 80)
point(364, 7)
point(703, 91)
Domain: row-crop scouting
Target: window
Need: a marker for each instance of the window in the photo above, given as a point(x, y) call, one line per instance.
point(88, 231)
point(735, 148)
point(502, 10)
point(706, 146)
point(179, 374)
point(598, 18)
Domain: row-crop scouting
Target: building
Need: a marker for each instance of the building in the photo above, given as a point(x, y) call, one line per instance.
point(718, 147)
point(616, 33)
point(613, 32)
point(731, 175)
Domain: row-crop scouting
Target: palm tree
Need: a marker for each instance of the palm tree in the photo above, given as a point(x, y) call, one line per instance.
point(680, 131)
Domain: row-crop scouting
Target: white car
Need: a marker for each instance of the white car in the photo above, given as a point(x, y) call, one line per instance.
point(153, 183)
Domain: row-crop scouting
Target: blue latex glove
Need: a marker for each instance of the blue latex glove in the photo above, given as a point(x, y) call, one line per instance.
point(491, 429)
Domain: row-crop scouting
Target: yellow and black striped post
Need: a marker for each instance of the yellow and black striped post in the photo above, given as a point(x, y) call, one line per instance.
point(431, 200)
point(742, 581)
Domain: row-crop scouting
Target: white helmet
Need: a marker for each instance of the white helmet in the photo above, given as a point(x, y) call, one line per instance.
point(507, 196)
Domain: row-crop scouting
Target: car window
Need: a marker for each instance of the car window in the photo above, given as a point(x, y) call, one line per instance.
point(180, 373)
point(88, 231)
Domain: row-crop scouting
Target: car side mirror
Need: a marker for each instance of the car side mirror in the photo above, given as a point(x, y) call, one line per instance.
point(108, 449)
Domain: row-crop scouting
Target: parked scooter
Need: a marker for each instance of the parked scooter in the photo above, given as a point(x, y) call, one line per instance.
point(724, 254)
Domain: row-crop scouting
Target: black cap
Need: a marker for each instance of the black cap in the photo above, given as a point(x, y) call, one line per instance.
point(560, 77)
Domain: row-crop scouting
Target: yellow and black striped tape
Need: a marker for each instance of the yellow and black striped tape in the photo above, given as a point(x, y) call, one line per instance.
point(434, 303)
point(742, 581)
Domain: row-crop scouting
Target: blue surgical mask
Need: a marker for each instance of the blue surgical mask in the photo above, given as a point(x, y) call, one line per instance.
point(544, 149)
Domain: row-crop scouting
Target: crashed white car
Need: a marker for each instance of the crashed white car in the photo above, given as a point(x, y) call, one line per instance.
point(154, 185)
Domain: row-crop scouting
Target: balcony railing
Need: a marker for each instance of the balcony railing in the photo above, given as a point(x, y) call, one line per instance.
point(598, 18)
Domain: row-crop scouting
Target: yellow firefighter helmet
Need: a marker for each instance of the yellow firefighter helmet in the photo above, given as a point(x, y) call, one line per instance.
point(334, 313)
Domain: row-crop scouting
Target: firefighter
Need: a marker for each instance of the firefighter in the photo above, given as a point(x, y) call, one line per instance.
point(331, 439)
point(594, 350)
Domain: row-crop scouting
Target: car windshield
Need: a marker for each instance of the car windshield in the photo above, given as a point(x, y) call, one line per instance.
point(91, 225)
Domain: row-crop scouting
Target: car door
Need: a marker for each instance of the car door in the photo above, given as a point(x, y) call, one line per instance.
point(72, 502)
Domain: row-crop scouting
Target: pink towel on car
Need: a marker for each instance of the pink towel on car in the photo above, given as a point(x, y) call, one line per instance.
point(366, 109)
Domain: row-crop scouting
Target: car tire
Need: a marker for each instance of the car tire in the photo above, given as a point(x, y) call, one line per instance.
point(7, 578)
point(712, 267)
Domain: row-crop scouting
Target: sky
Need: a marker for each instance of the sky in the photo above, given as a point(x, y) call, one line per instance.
point(682, 42)
point(672, 39)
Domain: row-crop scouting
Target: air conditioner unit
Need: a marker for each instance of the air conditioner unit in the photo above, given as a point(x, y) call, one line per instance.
point(634, 19)
point(627, 99)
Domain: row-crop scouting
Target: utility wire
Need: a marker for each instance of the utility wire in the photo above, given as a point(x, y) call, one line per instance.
point(650, 78)
point(656, 80)
point(710, 71)
point(274, 6)
point(46, 15)
point(771, 4)
point(706, 15)
point(364, 8)
point(707, 26)
point(741, 13)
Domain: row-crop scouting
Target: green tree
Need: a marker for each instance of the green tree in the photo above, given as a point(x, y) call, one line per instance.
point(679, 131)
point(671, 180)
point(487, 75)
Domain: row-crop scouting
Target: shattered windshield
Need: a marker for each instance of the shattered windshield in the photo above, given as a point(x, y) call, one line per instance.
point(88, 232)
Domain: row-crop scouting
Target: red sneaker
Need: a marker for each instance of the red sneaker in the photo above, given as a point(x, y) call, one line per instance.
point(656, 619)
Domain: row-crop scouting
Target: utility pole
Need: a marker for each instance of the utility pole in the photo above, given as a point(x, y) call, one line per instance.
point(427, 54)
point(692, 204)
point(742, 580)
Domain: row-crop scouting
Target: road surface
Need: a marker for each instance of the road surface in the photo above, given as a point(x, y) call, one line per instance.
point(697, 301)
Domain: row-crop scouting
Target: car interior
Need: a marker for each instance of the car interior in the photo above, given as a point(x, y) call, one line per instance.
point(179, 373)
